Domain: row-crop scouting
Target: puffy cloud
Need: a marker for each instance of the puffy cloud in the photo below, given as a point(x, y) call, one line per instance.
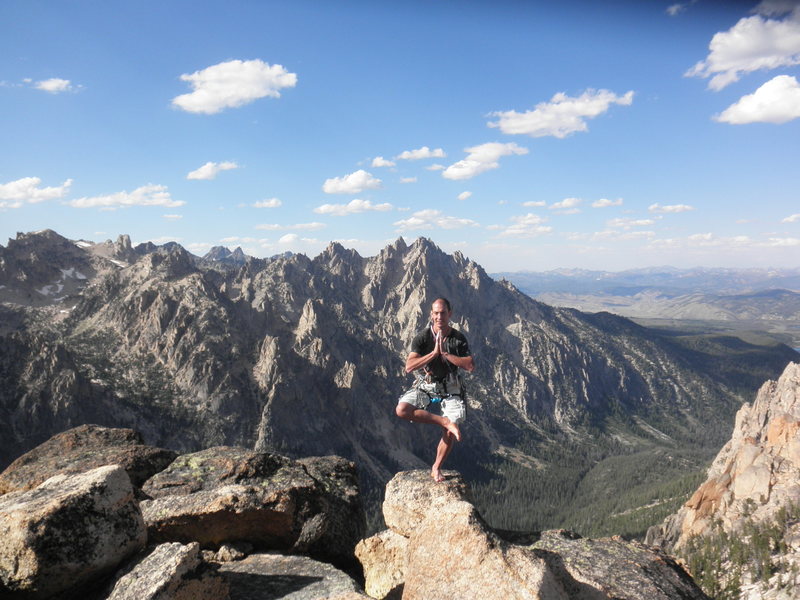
point(14, 193)
point(379, 161)
point(526, 226)
point(232, 84)
point(567, 205)
point(432, 219)
point(625, 223)
point(669, 208)
point(354, 183)
point(777, 101)
point(464, 195)
point(268, 203)
point(421, 153)
point(147, 195)
point(211, 169)
point(791, 218)
point(408, 180)
point(752, 44)
point(54, 85)
point(534, 203)
point(605, 202)
point(435, 167)
point(480, 159)
point(561, 116)
point(305, 226)
point(351, 208)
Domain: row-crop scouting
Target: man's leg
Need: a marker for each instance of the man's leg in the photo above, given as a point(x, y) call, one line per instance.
point(409, 412)
point(442, 450)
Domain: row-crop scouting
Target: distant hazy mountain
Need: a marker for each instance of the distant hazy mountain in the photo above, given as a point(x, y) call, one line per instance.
point(304, 356)
point(667, 281)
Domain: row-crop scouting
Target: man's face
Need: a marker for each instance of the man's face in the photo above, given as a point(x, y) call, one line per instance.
point(440, 316)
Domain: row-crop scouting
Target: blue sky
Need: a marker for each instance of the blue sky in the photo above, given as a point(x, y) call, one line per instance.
point(527, 135)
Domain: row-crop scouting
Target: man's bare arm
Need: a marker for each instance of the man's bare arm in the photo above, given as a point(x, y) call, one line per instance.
point(462, 362)
point(417, 361)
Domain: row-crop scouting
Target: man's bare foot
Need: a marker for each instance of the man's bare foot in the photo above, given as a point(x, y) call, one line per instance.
point(437, 475)
point(453, 428)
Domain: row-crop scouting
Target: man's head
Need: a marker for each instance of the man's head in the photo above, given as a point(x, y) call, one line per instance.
point(440, 314)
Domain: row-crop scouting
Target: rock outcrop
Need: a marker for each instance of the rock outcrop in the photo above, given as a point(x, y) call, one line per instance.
point(84, 448)
point(226, 494)
point(172, 571)
point(754, 475)
point(752, 485)
point(68, 531)
point(438, 546)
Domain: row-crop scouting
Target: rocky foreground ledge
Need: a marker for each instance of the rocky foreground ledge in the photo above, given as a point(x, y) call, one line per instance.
point(95, 513)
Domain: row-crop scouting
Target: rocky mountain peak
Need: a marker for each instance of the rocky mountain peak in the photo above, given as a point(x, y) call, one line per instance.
point(754, 475)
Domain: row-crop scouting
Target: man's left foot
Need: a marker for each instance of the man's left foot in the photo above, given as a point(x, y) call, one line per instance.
point(437, 475)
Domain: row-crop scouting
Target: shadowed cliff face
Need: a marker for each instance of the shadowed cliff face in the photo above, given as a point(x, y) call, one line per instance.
point(305, 356)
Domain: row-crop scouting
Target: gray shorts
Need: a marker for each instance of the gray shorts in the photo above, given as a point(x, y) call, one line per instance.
point(453, 407)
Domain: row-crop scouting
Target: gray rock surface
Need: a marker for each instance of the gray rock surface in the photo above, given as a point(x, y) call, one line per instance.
point(69, 530)
point(84, 448)
point(226, 494)
point(170, 572)
point(450, 552)
point(274, 576)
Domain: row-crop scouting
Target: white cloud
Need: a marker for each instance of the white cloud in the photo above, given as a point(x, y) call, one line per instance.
point(526, 226)
point(480, 159)
point(605, 202)
point(354, 183)
point(432, 219)
point(353, 207)
point(669, 208)
point(147, 195)
point(408, 180)
point(211, 169)
point(55, 85)
point(421, 153)
point(560, 117)
point(295, 240)
point(232, 84)
point(268, 203)
point(435, 167)
point(675, 9)
point(172, 217)
point(534, 203)
point(791, 218)
point(305, 226)
point(379, 161)
point(567, 205)
point(781, 242)
point(14, 193)
point(626, 223)
point(464, 195)
point(754, 43)
point(777, 101)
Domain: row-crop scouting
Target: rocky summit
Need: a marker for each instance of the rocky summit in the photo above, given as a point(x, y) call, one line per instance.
point(227, 523)
point(750, 499)
point(304, 357)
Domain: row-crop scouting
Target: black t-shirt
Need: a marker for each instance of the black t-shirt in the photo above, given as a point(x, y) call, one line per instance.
point(455, 343)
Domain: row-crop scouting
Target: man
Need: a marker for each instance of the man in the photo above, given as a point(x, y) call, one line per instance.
point(437, 353)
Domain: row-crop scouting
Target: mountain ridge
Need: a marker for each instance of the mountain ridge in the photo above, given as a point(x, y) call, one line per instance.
point(303, 356)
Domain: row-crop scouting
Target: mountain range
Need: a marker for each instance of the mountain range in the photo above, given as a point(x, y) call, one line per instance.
point(732, 300)
point(304, 356)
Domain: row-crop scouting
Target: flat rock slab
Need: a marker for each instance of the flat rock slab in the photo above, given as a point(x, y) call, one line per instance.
point(274, 576)
point(82, 449)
